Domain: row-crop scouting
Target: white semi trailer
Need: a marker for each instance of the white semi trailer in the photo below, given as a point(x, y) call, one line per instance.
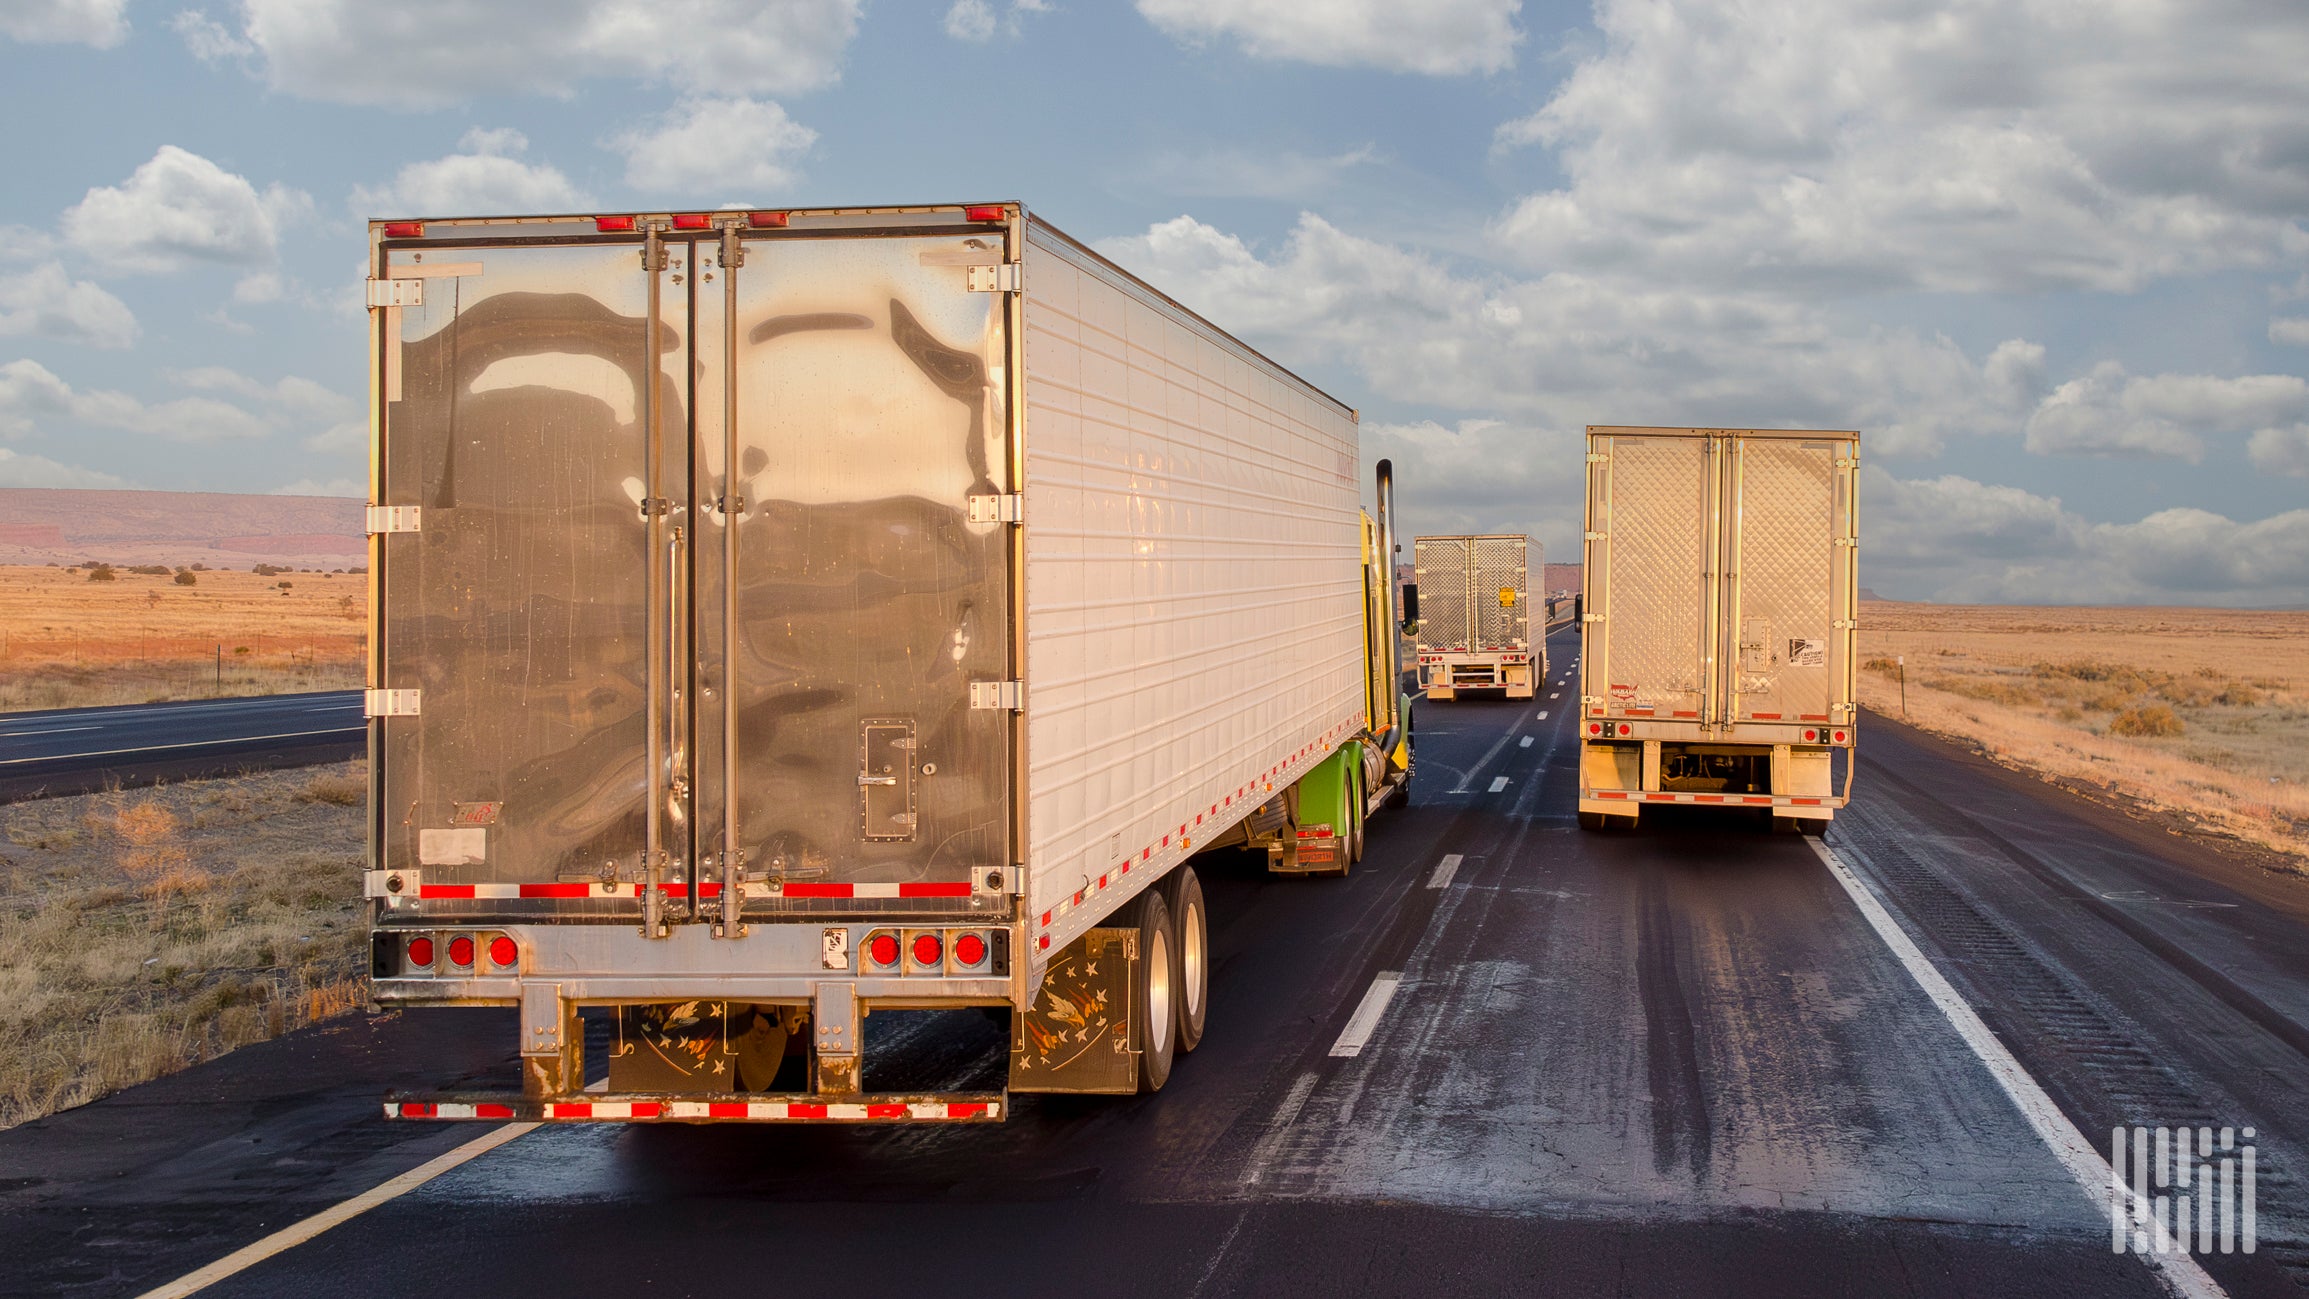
point(1720, 590)
point(782, 616)
point(1473, 631)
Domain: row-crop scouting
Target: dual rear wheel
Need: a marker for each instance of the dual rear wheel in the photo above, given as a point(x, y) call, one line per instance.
point(1173, 974)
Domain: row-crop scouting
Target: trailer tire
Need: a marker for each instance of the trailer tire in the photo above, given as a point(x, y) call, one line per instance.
point(1183, 894)
point(1157, 991)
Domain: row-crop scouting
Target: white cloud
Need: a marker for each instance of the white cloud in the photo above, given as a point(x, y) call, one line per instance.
point(31, 395)
point(2108, 412)
point(1565, 349)
point(100, 23)
point(2293, 330)
point(1236, 172)
point(1820, 145)
point(1438, 37)
point(485, 179)
point(180, 210)
point(44, 302)
point(207, 39)
point(20, 470)
point(1951, 538)
point(970, 20)
point(2280, 450)
point(427, 53)
point(717, 145)
point(264, 286)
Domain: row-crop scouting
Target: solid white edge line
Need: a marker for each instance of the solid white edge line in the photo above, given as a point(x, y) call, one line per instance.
point(297, 1233)
point(1365, 1020)
point(1444, 870)
point(188, 744)
point(2180, 1273)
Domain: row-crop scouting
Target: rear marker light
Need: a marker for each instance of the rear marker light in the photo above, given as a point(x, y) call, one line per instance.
point(927, 949)
point(766, 220)
point(502, 951)
point(691, 221)
point(1595, 728)
point(614, 225)
point(1625, 729)
point(969, 949)
point(461, 950)
point(404, 229)
point(421, 952)
point(990, 212)
point(882, 949)
point(1811, 735)
point(1839, 737)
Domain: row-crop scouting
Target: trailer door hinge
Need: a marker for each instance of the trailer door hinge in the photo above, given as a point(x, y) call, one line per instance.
point(998, 694)
point(1842, 624)
point(1591, 617)
point(999, 278)
point(1598, 457)
point(394, 518)
point(389, 703)
point(1010, 507)
point(396, 293)
point(1596, 536)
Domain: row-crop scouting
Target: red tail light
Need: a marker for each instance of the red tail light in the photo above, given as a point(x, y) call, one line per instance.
point(1595, 728)
point(984, 212)
point(1625, 729)
point(1839, 737)
point(969, 949)
point(503, 952)
point(614, 225)
point(927, 949)
point(461, 950)
point(882, 949)
point(766, 220)
point(421, 953)
point(404, 229)
point(1811, 735)
point(691, 221)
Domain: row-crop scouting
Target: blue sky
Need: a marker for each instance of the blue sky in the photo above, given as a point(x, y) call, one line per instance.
point(2052, 260)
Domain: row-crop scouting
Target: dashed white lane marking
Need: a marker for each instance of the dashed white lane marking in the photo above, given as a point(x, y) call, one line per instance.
point(1365, 1020)
point(1482, 762)
point(2179, 1273)
point(1525, 744)
point(1543, 715)
point(1498, 783)
point(1444, 870)
point(1555, 694)
point(297, 1233)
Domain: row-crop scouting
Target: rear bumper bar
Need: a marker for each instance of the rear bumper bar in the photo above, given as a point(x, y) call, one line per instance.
point(975, 1107)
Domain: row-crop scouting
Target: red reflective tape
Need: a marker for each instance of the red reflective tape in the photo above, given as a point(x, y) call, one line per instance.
point(886, 1111)
point(965, 1109)
point(803, 1111)
point(648, 1109)
point(445, 891)
point(416, 1110)
point(1812, 717)
point(571, 1109)
point(1707, 798)
point(1078, 896)
point(710, 889)
point(1046, 920)
point(727, 1110)
point(1765, 717)
point(818, 891)
point(1145, 853)
point(1757, 798)
point(961, 890)
point(556, 890)
point(488, 1111)
point(1102, 881)
point(1805, 802)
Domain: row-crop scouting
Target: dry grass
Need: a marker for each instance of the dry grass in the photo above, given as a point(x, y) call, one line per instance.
point(68, 642)
point(2199, 712)
point(148, 930)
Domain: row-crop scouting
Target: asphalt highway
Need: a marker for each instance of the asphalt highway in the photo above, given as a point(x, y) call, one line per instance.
point(74, 750)
point(1675, 1061)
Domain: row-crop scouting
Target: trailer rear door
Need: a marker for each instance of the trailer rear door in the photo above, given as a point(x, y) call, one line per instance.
point(565, 719)
point(1446, 619)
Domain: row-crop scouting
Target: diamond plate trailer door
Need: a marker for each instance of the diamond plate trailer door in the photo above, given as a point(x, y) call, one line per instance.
point(1501, 593)
point(1789, 579)
point(1650, 575)
point(1446, 618)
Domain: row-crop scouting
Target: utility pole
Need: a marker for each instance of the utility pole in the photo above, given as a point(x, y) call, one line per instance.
point(1902, 660)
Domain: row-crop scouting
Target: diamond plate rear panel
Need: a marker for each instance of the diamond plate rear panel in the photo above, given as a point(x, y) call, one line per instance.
point(1499, 594)
point(1784, 602)
point(1445, 620)
point(1657, 524)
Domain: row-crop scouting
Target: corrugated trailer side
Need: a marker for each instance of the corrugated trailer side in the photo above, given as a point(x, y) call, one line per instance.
point(1181, 491)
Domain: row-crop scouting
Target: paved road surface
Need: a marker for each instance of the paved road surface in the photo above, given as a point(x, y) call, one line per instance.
point(1673, 1061)
point(73, 750)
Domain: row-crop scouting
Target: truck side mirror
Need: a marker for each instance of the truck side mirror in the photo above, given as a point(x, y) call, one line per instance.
point(1410, 602)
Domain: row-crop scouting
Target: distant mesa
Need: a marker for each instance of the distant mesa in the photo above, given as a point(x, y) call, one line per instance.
point(43, 525)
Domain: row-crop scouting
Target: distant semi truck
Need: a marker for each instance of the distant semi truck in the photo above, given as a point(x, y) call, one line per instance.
point(1718, 612)
point(782, 617)
point(1474, 624)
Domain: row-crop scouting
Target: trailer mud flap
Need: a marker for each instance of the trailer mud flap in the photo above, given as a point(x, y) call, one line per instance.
point(1076, 1038)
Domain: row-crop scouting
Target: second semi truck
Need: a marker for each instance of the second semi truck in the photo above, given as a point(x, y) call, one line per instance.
point(1474, 624)
point(782, 617)
point(1720, 588)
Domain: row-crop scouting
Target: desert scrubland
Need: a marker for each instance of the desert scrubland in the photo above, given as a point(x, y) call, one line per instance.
point(147, 930)
point(69, 639)
point(2200, 715)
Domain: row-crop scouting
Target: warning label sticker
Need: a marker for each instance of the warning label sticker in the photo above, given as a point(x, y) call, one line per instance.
point(1807, 653)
